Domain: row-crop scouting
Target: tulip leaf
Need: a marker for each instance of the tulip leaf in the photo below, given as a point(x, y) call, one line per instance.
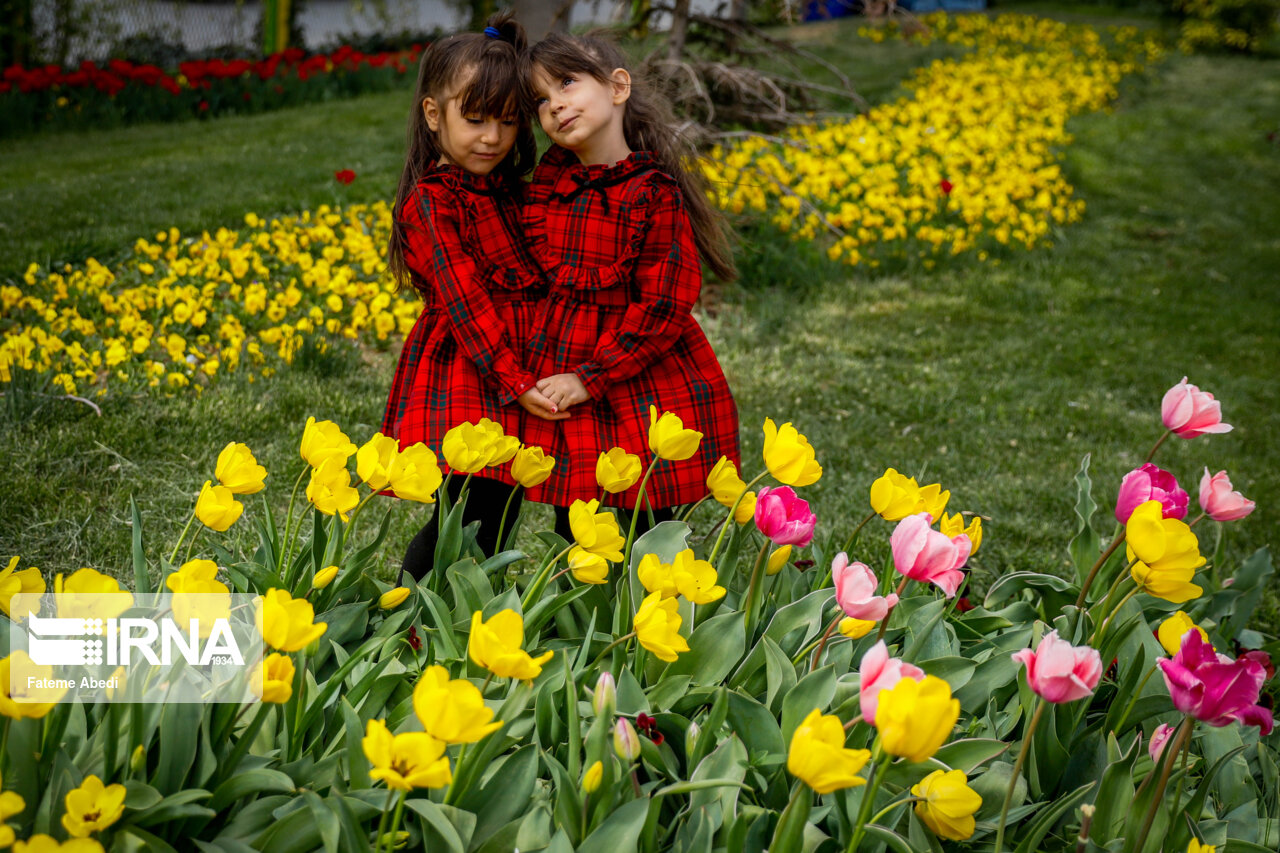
point(968, 754)
point(1221, 748)
point(1015, 582)
point(956, 671)
point(892, 839)
point(1085, 546)
point(1248, 585)
point(780, 673)
point(815, 690)
point(1115, 793)
point(131, 838)
point(141, 575)
point(755, 725)
point(719, 776)
point(1044, 821)
point(794, 625)
point(360, 558)
point(179, 723)
point(665, 693)
point(620, 830)
point(542, 610)
point(788, 837)
point(506, 794)
point(470, 587)
point(501, 560)
point(357, 764)
point(443, 633)
point(922, 625)
point(1237, 845)
point(716, 647)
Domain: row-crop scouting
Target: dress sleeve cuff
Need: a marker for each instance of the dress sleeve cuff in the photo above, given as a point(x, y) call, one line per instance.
point(593, 377)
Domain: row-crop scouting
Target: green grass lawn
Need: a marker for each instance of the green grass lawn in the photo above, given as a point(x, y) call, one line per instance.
point(995, 379)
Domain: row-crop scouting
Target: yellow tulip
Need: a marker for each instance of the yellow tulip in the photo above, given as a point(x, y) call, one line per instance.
point(239, 471)
point(817, 755)
point(468, 449)
point(1167, 552)
point(587, 567)
point(11, 803)
point(668, 439)
point(216, 508)
point(617, 470)
point(915, 718)
point(695, 579)
point(324, 577)
point(597, 532)
point(1196, 847)
point(788, 455)
point(20, 671)
point(393, 598)
point(324, 440)
point(657, 624)
point(496, 646)
point(192, 574)
point(42, 843)
point(272, 680)
point(591, 779)
point(724, 483)
point(777, 560)
point(405, 761)
point(28, 585)
point(286, 623)
point(330, 489)
point(746, 510)
point(656, 576)
point(451, 709)
point(503, 447)
point(952, 526)
point(415, 474)
point(1173, 629)
point(89, 594)
point(947, 804)
point(856, 629)
point(933, 500)
point(374, 460)
point(199, 598)
point(92, 807)
point(531, 466)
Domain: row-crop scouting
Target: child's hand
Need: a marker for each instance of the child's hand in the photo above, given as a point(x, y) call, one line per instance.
point(564, 390)
point(536, 403)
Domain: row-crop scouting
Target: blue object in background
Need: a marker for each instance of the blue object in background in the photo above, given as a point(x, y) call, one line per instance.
point(947, 5)
point(823, 10)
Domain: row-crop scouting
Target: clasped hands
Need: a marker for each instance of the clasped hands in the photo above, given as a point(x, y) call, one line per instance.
point(551, 397)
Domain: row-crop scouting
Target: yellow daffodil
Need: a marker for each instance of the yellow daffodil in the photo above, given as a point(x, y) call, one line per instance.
point(239, 471)
point(451, 709)
point(216, 508)
point(947, 804)
point(591, 778)
point(393, 597)
point(405, 761)
point(1167, 554)
point(597, 532)
point(21, 693)
point(415, 474)
point(587, 567)
point(617, 470)
point(531, 466)
point(777, 560)
point(323, 441)
point(1173, 629)
point(92, 807)
point(27, 584)
point(788, 455)
point(286, 623)
point(657, 624)
point(272, 680)
point(330, 489)
point(374, 460)
point(497, 644)
point(952, 526)
point(668, 438)
point(724, 483)
point(818, 757)
point(915, 718)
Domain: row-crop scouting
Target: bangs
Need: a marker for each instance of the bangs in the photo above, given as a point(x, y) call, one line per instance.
point(559, 56)
point(493, 90)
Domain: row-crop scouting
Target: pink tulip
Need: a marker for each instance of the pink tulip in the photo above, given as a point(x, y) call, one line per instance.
point(1158, 739)
point(783, 517)
point(1060, 672)
point(1214, 688)
point(878, 672)
point(1150, 483)
point(1218, 500)
point(923, 554)
point(1189, 412)
point(856, 590)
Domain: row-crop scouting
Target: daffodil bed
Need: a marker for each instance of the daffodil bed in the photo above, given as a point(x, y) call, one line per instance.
point(736, 688)
point(968, 162)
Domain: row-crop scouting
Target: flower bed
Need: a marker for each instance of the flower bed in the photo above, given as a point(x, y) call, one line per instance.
point(967, 163)
point(121, 92)
point(679, 690)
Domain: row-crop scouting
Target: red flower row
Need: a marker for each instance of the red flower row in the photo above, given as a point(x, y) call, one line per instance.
point(118, 73)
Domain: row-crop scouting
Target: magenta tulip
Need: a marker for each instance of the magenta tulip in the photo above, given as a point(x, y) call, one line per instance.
point(1214, 688)
point(877, 672)
point(923, 554)
point(1189, 412)
point(856, 590)
point(1158, 739)
point(1150, 483)
point(1060, 672)
point(1219, 501)
point(783, 517)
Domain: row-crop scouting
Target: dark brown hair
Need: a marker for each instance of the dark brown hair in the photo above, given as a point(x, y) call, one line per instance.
point(492, 89)
point(647, 125)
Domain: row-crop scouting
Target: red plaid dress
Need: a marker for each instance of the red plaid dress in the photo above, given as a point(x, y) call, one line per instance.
point(624, 274)
point(481, 289)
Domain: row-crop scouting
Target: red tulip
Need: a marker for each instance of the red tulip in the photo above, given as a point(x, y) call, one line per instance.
point(344, 177)
point(1214, 688)
point(783, 517)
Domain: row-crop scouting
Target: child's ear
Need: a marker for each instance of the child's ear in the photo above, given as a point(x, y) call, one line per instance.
point(621, 80)
point(431, 112)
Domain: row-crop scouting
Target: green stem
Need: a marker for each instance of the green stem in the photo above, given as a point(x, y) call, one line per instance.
point(451, 795)
point(295, 736)
point(291, 529)
point(1171, 755)
point(191, 545)
point(1093, 572)
point(4, 746)
point(1017, 769)
point(884, 811)
point(612, 646)
point(689, 513)
point(1133, 701)
point(502, 525)
point(753, 589)
point(635, 514)
point(351, 522)
point(382, 822)
point(884, 623)
point(395, 822)
point(728, 522)
point(1152, 454)
point(869, 797)
point(1199, 518)
point(173, 556)
point(540, 582)
point(1182, 777)
point(1102, 629)
point(822, 644)
point(854, 535)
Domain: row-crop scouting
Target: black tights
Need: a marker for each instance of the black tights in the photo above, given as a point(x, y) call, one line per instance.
point(485, 501)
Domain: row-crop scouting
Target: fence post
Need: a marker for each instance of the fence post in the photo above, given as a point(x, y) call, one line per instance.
point(275, 26)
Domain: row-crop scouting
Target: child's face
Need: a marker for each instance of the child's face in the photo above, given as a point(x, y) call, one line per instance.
point(474, 142)
point(583, 114)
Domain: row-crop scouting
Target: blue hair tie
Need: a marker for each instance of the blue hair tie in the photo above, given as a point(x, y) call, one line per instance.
point(492, 32)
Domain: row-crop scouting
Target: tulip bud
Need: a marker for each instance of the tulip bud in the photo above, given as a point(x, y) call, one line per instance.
point(138, 761)
point(393, 598)
point(324, 577)
point(605, 698)
point(626, 743)
point(591, 779)
point(777, 560)
point(691, 738)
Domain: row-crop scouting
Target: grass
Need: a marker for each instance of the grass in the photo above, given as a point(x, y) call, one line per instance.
point(995, 379)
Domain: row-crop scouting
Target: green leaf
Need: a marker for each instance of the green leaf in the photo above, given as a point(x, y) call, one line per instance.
point(666, 692)
point(715, 648)
point(717, 778)
point(1045, 820)
point(1085, 548)
point(780, 673)
point(326, 821)
point(437, 828)
point(442, 630)
point(1015, 582)
point(1249, 584)
point(179, 724)
point(755, 725)
point(131, 838)
point(1115, 793)
point(969, 754)
point(789, 836)
point(248, 784)
point(955, 670)
point(889, 837)
point(141, 575)
point(815, 690)
point(620, 830)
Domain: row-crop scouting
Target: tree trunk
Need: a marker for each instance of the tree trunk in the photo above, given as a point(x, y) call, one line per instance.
point(541, 17)
point(679, 29)
point(15, 33)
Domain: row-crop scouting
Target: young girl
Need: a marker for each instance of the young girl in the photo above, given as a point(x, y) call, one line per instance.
point(456, 239)
point(619, 223)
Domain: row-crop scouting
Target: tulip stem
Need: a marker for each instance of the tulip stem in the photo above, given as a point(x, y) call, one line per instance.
point(882, 762)
point(822, 644)
point(450, 795)
point(1133, 701)
point(1017, 769)
point(395, 822)
point(295, 739)
point(351, 522)
point(1097, 567)
point(854, 535)
point(884, 623)
point(1103, 628)
point(853, 722)
point(1199, 518)
point(286, 553)
point(884, 811)
point(1152, 454)
point(4, 747)
point(635, 515)
point(612, 646)
point(753, 589)
point(191, 544)
point(689, 512)
point(732, 510)
point(540, 582)
point(382, 822)
point(173, 556)
point(1171, 755)
point(502, 525)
